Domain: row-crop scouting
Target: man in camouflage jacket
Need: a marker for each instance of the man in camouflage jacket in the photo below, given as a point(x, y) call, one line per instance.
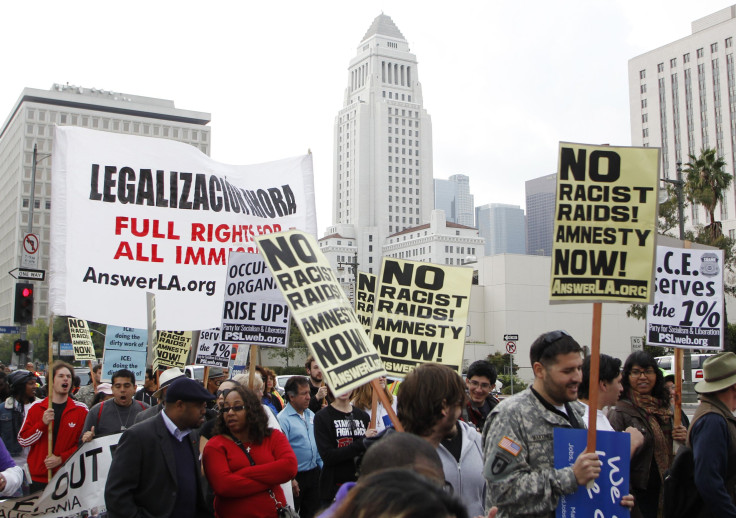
point(518, 435)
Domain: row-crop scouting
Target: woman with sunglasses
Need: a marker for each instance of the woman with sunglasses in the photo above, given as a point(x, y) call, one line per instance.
point(245, 462)
point(339, 430)
point(645, 405)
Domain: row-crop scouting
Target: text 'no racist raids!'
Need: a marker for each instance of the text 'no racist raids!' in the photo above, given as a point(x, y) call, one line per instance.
point(321, 310)
point(605, 224)
point(420, 314)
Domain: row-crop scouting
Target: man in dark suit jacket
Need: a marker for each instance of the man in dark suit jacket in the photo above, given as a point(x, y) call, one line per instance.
point(155, 470)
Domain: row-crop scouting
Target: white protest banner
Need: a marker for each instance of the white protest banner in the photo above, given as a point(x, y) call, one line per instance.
point(688, 302)
point(125, 348)
point(84, 349)
point(211, 350)
point(78, 486)
point(172, 349)
point(255, 311)
point(419, 315)
point(605, 224)
point(323, 314)
point(364, 300)
point(133, 214)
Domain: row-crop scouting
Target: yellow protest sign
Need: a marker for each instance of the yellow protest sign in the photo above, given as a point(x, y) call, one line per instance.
point(172, 349)
point(323, 314)
point(419, 315)
point(605, 224)
point(84, 349)
point(364, 299)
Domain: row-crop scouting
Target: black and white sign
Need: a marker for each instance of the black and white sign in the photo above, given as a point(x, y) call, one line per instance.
point(211, 351)
point(513, 338)
point(688, 299)
point(29, 258)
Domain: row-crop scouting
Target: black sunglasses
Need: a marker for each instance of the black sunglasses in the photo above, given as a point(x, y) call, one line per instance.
point(553, 336)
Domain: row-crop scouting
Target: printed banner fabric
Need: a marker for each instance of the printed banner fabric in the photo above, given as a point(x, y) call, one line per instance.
point(419, 315)
point(688, 299)
point(255, 311)
point(132, 214)
point(605, 224)
point(323, 314)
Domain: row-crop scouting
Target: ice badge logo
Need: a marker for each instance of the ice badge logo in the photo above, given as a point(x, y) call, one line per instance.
point(709, 264)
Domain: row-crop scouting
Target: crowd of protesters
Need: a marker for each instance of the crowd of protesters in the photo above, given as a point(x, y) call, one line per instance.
point(236, 447)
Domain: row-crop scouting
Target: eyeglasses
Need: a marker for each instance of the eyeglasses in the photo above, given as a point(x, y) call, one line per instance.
point(476, 384)
point(635, 373)
point(238, 408)
point(223, 392)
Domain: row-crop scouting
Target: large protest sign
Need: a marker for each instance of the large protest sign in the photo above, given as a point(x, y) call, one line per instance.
point(172, 349)
point(125, 348)
point(211, 350)
point(604, 498)
point(605, 224)
point(419, 315)
point(255, 311)
point(78, 486)
point(84, 349)
point(323, 314)
point(688, 301)
point(132, 214)
point(364, 301)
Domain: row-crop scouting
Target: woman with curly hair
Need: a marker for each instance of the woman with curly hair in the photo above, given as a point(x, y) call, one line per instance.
point(645, 405)
point(245, 462)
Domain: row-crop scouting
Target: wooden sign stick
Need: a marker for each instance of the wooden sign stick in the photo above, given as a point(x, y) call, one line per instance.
point(386, 404)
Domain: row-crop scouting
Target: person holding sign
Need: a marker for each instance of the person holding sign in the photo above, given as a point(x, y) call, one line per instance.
point(518, 435)
point(246, 461)
point(317, 387)
point(67, 416)
point(645, 405)
point(713, 436)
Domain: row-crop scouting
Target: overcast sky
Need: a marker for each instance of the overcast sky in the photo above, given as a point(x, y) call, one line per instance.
point(504, 82)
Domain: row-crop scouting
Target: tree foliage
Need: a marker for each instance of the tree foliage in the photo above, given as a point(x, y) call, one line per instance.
point(706, 184)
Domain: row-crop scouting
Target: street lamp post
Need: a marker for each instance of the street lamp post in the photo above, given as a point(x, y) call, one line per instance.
point(353, 265)
point(688, 388)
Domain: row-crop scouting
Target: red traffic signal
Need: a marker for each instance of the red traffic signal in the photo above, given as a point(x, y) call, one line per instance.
point(24, 303)
point(20, 347)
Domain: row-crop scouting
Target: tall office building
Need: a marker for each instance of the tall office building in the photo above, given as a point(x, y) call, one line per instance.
point(453, 196)
point(682, 98)
point(540, 212)
point(31, 122)
point(382, 178)
point(503, 227)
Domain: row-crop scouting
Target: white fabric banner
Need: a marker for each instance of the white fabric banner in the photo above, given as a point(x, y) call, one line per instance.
point(78, 486)
point(133, 214)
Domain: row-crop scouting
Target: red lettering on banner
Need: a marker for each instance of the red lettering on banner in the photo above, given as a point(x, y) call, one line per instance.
point(124, 251)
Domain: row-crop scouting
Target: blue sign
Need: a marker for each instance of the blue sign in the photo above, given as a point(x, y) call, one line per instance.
point(114, 360)
point(9, 330)
point(126, 338)
point(604, 498)
point(66, 349)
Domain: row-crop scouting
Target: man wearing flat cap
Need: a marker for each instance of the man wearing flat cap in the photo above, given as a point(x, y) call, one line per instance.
point(712, 436)
point(155, 469)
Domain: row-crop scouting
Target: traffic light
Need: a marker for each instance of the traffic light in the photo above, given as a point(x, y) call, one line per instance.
point(20, 347)
point(24, 303)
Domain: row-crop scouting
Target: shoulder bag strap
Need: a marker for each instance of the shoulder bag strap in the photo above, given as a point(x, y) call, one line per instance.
point(279, 505)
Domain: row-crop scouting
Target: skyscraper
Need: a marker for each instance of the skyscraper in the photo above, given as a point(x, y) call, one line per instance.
point(382, 178)
point(31, 121)
point(503, 227)
point(682, 98)
point(453, 196)
point(540, 211)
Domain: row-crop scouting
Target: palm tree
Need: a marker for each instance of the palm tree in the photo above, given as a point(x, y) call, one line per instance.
point(706, 183)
